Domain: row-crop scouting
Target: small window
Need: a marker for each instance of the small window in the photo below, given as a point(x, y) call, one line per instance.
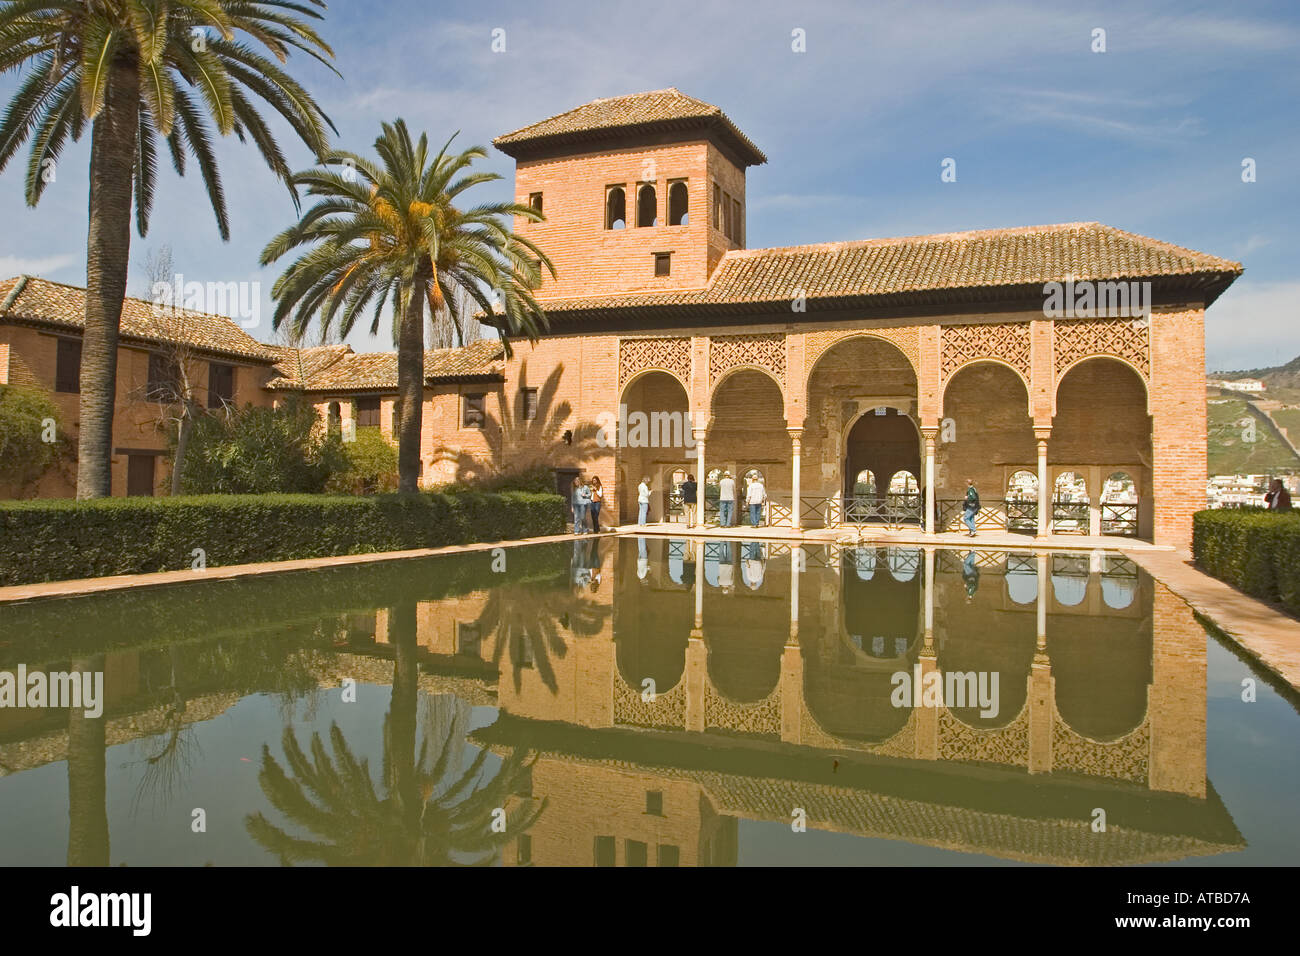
point(663, 263)
point(367, 413)
point(67, 373)
point(654, 802)
point(139, 475)
point(647, 205)
point(535, 200)
point(524, 856)
point(395, 420)
point(472, 414)
point(678, 201)
point(528, 399)
point(727, 220)
point(468, 639)
point(615, 207)
point(737, 222)
point(605, 851)
point(717, 207)
point(636, 852)
point(221, 385)
point(669, 855)
point(164, 378)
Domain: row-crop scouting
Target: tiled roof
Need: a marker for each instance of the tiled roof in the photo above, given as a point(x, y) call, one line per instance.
point(374, 371)
point(648, 112)
point(886, 270)
point(297, 366)
point(39, 301)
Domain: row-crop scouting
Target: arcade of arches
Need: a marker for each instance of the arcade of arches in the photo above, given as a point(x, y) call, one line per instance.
point(1059, 436)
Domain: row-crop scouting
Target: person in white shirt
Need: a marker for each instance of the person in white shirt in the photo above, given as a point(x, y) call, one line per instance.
point(726, 499)
point(755, 496)
point(643, 499)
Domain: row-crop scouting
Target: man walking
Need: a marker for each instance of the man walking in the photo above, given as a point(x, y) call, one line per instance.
point(643, 500)
point(689, 493)
point(726, 499)
point(972, 506)
point(756, 496)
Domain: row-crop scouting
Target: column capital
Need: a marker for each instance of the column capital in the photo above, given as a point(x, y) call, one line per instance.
point(1042, 432)
point(794, 431)
point(929, 432)
point(700, 433)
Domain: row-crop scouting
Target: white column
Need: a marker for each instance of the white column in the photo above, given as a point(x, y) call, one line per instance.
point(930, 503)
point(702, 475)
point(1044, 486)
point(796, 445)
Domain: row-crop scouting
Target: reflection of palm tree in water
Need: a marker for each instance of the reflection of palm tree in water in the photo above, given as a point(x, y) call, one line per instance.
point(528, 621)
point(428, 812)
point(88, 843)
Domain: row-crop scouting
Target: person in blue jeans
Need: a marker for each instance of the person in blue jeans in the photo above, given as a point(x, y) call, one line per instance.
point(643, 500)
point(726, 499)
point(597, 499)
point(972, 506)
point(581, 499)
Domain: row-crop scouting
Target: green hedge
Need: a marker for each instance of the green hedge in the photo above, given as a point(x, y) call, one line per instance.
point(1254, 550)
point(54, 540)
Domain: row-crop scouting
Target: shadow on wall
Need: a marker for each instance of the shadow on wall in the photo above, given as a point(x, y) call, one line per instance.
point(529, 434)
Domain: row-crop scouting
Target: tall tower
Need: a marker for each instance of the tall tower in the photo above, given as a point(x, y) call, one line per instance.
point(640, 193)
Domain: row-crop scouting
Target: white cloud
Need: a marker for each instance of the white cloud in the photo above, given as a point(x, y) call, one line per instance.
point(1253, 325)
point(20, 265)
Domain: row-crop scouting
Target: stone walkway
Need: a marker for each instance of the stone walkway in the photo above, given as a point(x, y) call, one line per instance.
point(1267, 635)
point(80, 586)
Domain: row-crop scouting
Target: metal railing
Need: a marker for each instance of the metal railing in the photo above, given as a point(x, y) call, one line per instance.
point(1120, 519)
point(891, 510)
point(1070, 517)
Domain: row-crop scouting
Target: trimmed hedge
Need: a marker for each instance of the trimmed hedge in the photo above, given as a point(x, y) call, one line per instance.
point(1254, 550)
point(55, 540)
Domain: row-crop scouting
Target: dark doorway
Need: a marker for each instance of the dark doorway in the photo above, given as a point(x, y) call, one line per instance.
point(139, 475)
point(886, 443)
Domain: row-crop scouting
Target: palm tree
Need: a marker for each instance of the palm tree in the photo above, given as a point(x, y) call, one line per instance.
point(394, 231)
point(138, 71)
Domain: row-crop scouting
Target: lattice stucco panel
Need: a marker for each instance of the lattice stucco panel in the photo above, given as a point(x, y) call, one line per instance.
point(1006, 341)
point(1009, 745)
point(665, 711)
point(762, 718)
point(1078, 339)
point(667, 354)
point(1128, 758)
point(762, 349)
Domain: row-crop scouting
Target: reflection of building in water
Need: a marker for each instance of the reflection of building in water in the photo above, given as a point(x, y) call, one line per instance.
point(696, 711)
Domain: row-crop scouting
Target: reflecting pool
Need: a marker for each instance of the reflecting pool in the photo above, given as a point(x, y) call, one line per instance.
point(645, 701)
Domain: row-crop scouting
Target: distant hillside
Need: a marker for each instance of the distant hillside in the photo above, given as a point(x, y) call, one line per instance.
point(1276, 376)
point(1231, 454)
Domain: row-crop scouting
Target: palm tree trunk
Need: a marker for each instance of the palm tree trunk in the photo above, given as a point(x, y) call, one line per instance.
point(108, 248)
point(87, 785)
point(410, 384)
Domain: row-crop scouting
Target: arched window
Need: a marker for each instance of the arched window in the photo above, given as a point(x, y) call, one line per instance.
point(647, 205)
point(335, 418)
point(1071, 486)
point(678, 213)
point(1022, 486)
point(615, 208)
point(865, 483)
point(904, 483)
point(1119, 489)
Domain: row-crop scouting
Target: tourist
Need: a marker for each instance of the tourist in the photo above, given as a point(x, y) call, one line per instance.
point(972, 506)
point(581, 499)
point(726, 499)
point(690, 492)
point(756, 496)
point(970, 575)
point(643, 500)
point(1277, 497)
point(597, 497)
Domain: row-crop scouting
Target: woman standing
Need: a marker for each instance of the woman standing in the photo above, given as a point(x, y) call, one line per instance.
point(597, 497)
point(643, 500)
point(581, 499)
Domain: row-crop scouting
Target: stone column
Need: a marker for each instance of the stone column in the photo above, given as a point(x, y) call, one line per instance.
point(702, 476)
point(796, 445)
point(930, 503)
point(1094, 501)
point(1044, 484)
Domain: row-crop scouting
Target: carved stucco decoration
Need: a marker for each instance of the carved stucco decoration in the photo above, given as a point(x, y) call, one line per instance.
point(1128, 339)
point(908, 341)
point(1007, 745)
point(762, 349)
point(671, 355)
point(1128, 758)
point(762, 717)
point(1005, 341)
point(665, 711)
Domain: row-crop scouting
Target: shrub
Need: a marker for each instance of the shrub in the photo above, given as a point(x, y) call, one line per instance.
point(1254, 550)
point(370, 465)
point(538, 479)
point(52, 540)
point(25, 454)
point(261, 450)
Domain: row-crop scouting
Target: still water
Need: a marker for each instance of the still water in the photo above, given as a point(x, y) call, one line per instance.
point(648, 701)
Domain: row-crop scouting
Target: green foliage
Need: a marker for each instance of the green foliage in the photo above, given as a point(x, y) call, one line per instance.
point(58, 539)
point(1254, 550)
point(254, 450)
point(1229, 451)
point(370, 465)
point(539, 480)
point(24, 454)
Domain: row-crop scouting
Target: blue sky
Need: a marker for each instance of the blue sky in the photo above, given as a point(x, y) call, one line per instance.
point(1148, 136)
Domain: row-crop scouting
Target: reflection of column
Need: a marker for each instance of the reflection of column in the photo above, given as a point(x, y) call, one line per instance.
point(1044, 485)
point(929, 601)
point(929, 479)
point(697, 663)
point(796, 559)
point(796, 435)
point(703, 473)
point(699, 586)
point(792, 694)
point(1176, 699)
point(1041, 688)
